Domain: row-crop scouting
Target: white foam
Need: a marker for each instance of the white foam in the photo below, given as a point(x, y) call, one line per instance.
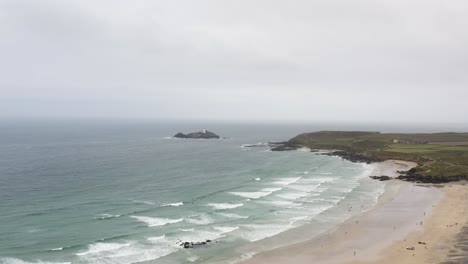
point(345, 187)
point(258, 179)
point(226, 229)
point(102, 247)
point(144, 202)
point(271, 189)
point(156, 221)
point(292, 195)
point(259, 144)
point(278, 203)
point(106, 216)
point(256, 195)
point(319, 179)
point(199, 236)
point(243, 257)
point(233, 216)
point(173, 204)
point(201, 219)
point(222, 206)
point(138, 252)
point(19, 261)
point(304, 149)
point(286, 181)
point(330, 199)
point(57, 249)
point(193, 258)
point(257, 232)
point(305, 187)
point(155, 239)
point(154, 248)
point(292, 220)
point(187, 229)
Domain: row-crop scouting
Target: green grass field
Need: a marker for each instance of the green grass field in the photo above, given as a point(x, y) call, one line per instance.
point(423, 148)
point(441, 162)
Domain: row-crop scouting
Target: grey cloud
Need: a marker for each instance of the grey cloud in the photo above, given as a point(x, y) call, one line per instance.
point(319, 60)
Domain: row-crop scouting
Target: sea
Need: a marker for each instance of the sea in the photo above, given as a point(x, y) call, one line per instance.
point(93, 191)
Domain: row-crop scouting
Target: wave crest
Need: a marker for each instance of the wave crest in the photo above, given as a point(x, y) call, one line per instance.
point(156, 221)
point(222, 206)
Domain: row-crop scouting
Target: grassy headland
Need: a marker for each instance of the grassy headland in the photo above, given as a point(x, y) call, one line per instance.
point(441, 157)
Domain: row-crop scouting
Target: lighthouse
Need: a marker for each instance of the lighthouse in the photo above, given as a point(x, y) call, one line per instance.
point(204, 131)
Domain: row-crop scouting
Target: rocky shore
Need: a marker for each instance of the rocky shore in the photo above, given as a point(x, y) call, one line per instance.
point(413, 175)
point(283, 146)
point(347, 155)
point(354, 157)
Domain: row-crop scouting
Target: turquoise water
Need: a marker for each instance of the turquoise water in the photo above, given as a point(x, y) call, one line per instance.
point(125, 192)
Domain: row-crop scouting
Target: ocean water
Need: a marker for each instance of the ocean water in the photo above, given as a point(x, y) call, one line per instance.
point(125, 192)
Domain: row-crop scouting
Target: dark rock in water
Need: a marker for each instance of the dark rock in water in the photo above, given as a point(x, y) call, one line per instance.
point(381, 178)
point(195, 244)
point(186, 245)
point(198, 135)
point(283, 146)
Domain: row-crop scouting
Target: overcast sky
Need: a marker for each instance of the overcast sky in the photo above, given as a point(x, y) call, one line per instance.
point(312, 60)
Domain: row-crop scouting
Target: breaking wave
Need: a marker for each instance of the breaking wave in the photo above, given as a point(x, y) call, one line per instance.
point(221, 206)
point(256, 195)
point(156, 221)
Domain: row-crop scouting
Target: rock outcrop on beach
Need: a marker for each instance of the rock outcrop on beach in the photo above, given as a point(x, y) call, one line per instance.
point(198, 135)
point(381, 178)
point(413, 175)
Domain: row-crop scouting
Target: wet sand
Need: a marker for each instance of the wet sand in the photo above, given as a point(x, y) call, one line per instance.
point(405, 215)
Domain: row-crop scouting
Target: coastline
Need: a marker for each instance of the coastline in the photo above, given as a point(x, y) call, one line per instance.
point(405, 214)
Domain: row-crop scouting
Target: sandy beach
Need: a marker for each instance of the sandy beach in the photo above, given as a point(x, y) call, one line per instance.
point(405, 215)
point(442, 233)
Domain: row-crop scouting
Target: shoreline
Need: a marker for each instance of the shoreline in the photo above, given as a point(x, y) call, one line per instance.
point(380, 232)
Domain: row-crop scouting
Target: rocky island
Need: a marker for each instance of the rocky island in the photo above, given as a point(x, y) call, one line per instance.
point(204, 134)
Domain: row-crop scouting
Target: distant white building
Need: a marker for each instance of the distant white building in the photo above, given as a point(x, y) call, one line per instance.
point(204, 131)
point(396, 141)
